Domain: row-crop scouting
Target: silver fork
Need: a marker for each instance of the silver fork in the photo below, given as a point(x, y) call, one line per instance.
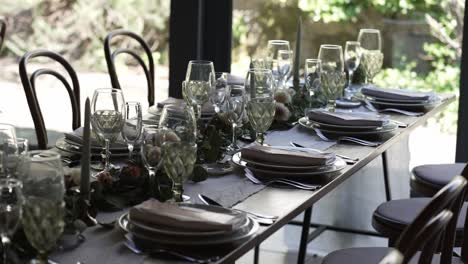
point(353, 160)
point(299, 185)
point(349, 139)
point(395, 110)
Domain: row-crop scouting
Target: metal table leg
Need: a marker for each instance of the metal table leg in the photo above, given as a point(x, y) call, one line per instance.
point(388, 194)
point(256, 254)
point(304, 236)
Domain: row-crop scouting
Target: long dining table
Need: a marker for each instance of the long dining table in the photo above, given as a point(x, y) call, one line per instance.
point(106, 246)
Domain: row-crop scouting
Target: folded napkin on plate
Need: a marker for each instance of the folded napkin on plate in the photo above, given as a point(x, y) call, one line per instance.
point(346, 118)
point(77, 137)
point(187, 218)
point(397, 94)
point(207, 109)
point(280, 155)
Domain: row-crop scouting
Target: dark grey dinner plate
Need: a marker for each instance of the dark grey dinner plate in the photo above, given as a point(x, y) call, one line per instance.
point(390, 126)
point(417, 107)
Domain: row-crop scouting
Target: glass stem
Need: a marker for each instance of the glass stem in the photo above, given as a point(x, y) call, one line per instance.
point(234, 137)
point(331, 105)
point(350, 81)
point(260, 138)
point(42, 258)
point(130, 151)
point(6, 245)
point(177, 191)
point(152, 182)
point(199, 111)
point(107, 154)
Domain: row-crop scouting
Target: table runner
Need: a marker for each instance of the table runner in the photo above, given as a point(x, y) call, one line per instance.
point(104, 246)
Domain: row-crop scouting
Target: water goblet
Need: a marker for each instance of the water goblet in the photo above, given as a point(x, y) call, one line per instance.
point(259, 83)
point(43, 208)
point(370, 39)
point(11, 202)
point(331, 57)
point(199, 83)
point(131, 130)
point(261, 112)
point(333, 83)
point(179, 150)
point(108, 112)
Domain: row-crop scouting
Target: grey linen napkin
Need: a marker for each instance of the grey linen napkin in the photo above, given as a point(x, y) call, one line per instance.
point(172, 215)
point(397, 94)
point(282, 155)
point(346, 118)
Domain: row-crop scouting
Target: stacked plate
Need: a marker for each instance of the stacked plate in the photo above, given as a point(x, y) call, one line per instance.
point(206, 115)
point(348, 123)
point(291, 162)
point(401, 99)
point(72, 143)
point(186, 224)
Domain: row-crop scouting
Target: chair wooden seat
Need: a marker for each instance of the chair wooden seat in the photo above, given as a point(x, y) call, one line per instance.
point(429, 179)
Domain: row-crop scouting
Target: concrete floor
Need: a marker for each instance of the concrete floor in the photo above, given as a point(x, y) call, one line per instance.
point(281, 247)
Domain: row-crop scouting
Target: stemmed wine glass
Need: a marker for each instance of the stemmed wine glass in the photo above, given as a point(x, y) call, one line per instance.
point(199, 83)
point(280, 54)
point(11, 202)
point(7, 147)
point(259, 82)
point(132, 125)
point(150, 150)
point(333, 77)
point(313, 69)
point(108, 112)
point(179, 150)
point(234, 110)
point(352, 58)
point(221, 91)
point(372, 57)
point(43, 208)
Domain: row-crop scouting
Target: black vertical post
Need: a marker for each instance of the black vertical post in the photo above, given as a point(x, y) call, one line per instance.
point(462, 130)
point(199, 29)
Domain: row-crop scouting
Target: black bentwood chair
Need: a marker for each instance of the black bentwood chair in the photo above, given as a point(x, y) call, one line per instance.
point(391, 218)
point(110, 58)
point(432, 228)
point(29, 85)
point(429, 179)
point(2, 32)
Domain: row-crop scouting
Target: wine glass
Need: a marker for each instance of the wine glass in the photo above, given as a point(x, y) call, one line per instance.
point(370, 39)
point(284, 67)
point(313, 69)
point(279, 50)
point(179, 150)
point(221, 90)
point(259, 83)
point(261, 112)
point(234, 111)
point(108, 112)
point(150, 150)
point(15, 158)
point(333, 77)
point(199, 83)
point(7, 142)
point(43, 208)
point(352, 58)
point(132, 125)
point(331, 57)
point(11, 202)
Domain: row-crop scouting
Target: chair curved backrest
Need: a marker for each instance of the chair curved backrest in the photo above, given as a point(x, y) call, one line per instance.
point(427, 237)
point(450, 197)
point(2, 32)
point(29, 85)
point(110, 57)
